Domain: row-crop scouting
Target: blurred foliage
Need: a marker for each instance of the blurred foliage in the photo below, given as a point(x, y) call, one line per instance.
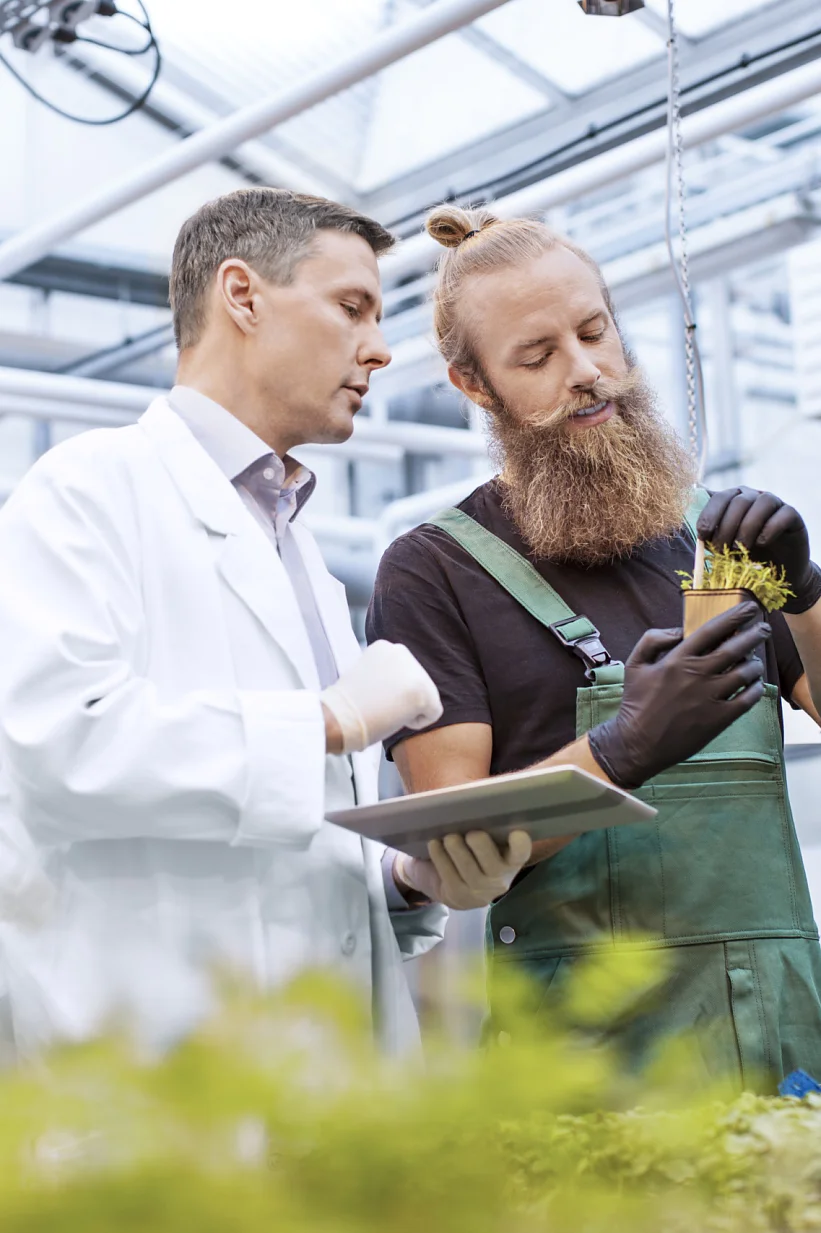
point(732, 569)
point(277, 1116)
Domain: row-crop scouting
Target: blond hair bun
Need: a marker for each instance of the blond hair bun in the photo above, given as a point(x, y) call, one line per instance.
point(450, 225)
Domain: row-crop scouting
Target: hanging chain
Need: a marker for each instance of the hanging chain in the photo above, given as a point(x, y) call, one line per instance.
point(681, 269)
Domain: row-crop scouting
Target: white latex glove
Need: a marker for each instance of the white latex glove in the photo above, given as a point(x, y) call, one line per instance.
point(467, 872)
point(387, 689)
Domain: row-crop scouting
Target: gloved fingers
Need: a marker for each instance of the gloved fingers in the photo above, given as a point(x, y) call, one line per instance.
point(714, 511)
point(430, 710)
point(726, 533)
point(486, 853)
point(711, 635)
point(468, 864)
point(652, 644)
point(743, 701)
point(737, 648)
point(758, 516)
point(744, 675)
point(519, 850)
point(783, 520)
point(443, 863)
point(455, 890)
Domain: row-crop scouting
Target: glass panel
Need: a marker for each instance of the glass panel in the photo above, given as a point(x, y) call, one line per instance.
point(572, 49)
point(697, 17)
point(435, 101)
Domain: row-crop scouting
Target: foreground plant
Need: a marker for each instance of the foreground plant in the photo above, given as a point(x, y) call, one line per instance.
point(277, 1117)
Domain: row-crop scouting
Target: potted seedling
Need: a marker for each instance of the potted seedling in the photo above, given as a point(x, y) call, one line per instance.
point(725, 577)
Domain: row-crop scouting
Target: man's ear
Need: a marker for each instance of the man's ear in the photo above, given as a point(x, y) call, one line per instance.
point(236, 288)
point(469, 386)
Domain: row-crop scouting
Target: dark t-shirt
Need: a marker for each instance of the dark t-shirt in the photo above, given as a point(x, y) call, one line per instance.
point(493, 662)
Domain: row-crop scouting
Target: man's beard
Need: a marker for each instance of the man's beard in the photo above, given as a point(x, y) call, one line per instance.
point(587, 496)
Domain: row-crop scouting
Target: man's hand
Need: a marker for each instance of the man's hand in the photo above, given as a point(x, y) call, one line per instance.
point(386, 689)
point(770, 531)
point(467, 872)
point(680, 694)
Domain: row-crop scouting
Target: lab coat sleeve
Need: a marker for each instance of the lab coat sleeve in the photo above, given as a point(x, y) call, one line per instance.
point(90, 748)
point(418, 930)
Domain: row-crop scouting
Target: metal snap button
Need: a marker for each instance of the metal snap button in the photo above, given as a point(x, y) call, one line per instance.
point(348, 945)
point(507, 934)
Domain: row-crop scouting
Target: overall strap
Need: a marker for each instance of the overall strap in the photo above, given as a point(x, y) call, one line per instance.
point(698, 500)
point(526, 585)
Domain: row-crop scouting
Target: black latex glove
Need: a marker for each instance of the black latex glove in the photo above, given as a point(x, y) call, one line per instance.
point(771, 531)
point(679, 694)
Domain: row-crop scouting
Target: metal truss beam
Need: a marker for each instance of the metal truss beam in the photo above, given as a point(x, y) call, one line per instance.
point(112, 359)
point(101, 279)
point(508, 59)
point(419, 253)
point(174, 108)
point(733, 59)
point(56, 396)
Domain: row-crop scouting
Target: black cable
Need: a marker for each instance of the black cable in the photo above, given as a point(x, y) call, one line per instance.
point(124, 51)
point(486, 189)
point(133, 106)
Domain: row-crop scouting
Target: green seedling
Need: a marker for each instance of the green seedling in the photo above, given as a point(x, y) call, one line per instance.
point(733, 569)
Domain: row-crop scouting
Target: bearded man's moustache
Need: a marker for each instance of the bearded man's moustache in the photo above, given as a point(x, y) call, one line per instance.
point(618, 392)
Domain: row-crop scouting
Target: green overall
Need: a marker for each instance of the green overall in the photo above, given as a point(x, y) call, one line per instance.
point(717, 876)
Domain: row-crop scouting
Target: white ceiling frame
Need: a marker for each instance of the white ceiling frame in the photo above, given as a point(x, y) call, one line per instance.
point(177, 107)
point(520, 68)
point(419, 253)
point(614, 112)
point(227, 135)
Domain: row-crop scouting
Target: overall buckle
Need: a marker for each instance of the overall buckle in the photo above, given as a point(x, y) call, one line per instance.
point(581, 637)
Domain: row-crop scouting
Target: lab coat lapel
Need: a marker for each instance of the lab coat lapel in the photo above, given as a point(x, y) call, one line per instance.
point(336, 617)
point(245, 557)
point(251, 566)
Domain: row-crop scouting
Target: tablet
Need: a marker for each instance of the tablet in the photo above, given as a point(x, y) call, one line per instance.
point(558, 800)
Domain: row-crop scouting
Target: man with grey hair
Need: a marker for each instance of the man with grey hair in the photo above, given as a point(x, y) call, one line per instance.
point(182, 698)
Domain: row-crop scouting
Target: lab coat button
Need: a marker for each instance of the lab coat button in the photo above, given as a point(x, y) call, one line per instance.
point(507, 935)
point(268, 473)
point(348, 944)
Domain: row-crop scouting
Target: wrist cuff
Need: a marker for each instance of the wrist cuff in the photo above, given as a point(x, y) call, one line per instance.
point(351, 725)
point(413, 898)
point(594, 740)
point(808, 595)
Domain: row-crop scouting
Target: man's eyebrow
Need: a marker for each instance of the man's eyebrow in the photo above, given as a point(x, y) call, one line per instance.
point(548, 338)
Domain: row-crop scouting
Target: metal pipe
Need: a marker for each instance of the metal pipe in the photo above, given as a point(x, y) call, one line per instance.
point(178, 107)
point(408, 512)
point(420, 252)
point(226, 135)
point(59, 396)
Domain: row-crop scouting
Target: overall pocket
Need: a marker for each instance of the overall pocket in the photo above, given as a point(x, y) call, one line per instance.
point(720, 859)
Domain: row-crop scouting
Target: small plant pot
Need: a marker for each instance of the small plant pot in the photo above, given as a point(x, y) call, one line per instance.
point(701, 606)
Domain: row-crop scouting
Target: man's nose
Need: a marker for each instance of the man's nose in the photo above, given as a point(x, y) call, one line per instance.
point(375, 353)
point(582, 371)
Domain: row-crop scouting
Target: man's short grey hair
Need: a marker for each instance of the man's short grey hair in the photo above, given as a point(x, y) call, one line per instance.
point(270, 228)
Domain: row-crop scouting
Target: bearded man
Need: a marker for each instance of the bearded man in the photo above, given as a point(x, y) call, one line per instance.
point(523, 605)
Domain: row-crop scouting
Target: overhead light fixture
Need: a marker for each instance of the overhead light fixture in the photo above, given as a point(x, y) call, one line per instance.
point(610, 8)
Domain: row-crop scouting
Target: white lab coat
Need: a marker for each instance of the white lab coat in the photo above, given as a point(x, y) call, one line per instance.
point(163, 741)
